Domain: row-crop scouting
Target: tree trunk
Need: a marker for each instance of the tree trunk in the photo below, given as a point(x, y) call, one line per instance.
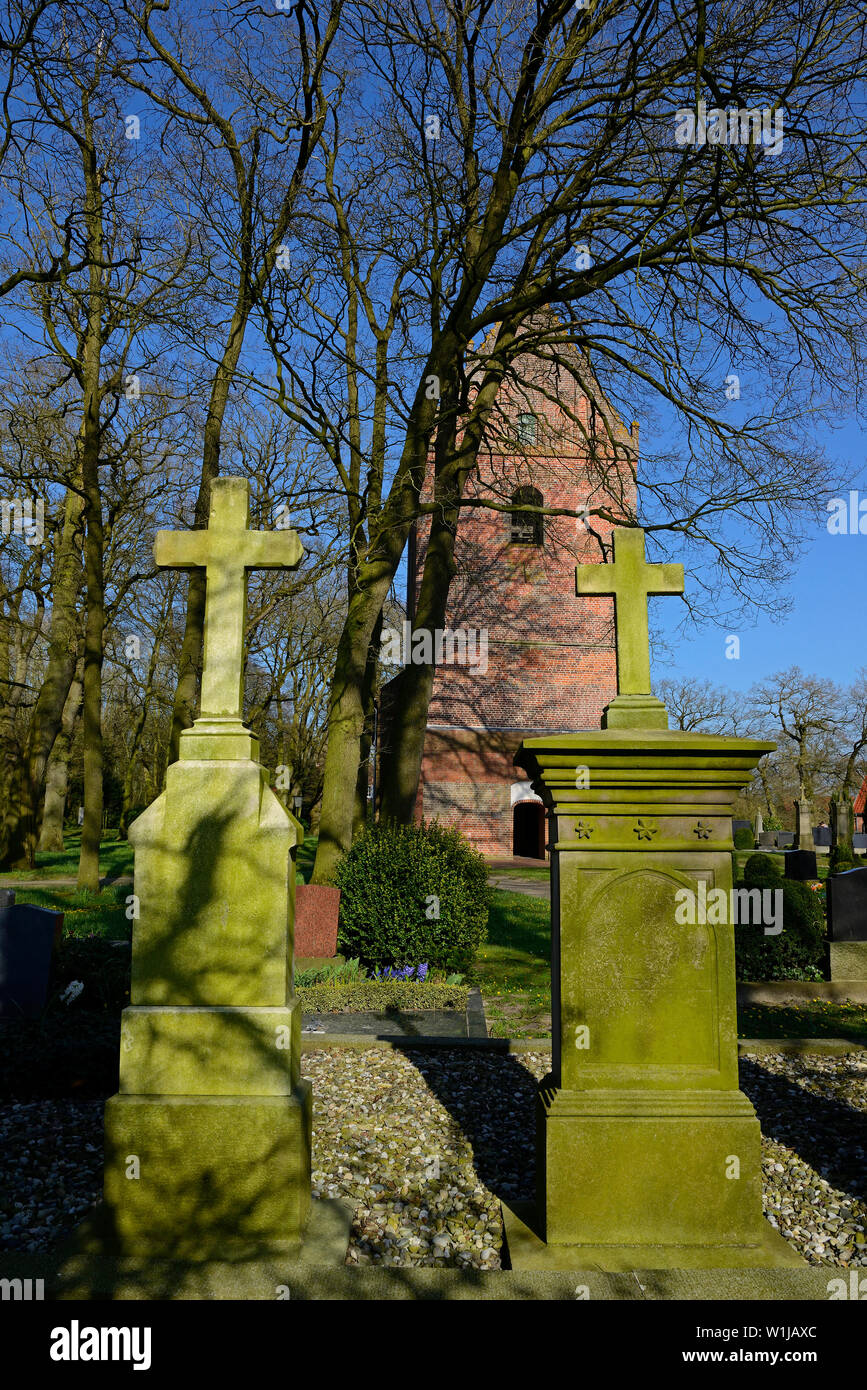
point(138, 729)
point(47, 714)
point(91, 831)
point(346, 719)
point(94, 554)
point(412, 689)
point(360, 813)
point(57, 773)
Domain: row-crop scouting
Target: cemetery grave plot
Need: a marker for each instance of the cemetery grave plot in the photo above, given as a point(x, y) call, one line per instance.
point(425, 1144)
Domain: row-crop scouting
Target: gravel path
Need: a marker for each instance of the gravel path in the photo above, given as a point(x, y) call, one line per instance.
point(426, 1144)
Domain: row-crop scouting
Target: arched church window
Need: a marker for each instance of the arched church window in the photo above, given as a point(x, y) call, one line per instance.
point(527, 527)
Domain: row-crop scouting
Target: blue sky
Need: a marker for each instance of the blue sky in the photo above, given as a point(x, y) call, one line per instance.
point(825, 632)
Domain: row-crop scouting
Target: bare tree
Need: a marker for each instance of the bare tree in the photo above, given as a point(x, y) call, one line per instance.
point(515, 180)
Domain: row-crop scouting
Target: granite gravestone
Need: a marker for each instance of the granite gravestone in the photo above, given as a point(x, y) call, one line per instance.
point(800, 864)
point(847, 924)
point(648, 1154)
point(27, 938)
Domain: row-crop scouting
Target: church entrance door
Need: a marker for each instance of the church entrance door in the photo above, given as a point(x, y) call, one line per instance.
point(528, 830)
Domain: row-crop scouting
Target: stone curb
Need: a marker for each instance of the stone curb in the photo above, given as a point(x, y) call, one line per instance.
point(796, 991)
point(312, 1042)
point(165, 1280)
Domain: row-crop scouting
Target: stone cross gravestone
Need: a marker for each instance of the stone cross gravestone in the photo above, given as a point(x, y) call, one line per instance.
point(648, 1154)
point(803, 826)
point(208, 1141)
point(840, 817)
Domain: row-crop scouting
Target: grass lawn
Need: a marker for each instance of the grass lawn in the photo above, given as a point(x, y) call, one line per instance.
point(543, 872)
point(115, 860)
point(513, 968)
point(305, 856)
point(815, 1018)
point(85, 914)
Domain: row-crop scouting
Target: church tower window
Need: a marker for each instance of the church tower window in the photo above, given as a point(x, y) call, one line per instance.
point(526, 428)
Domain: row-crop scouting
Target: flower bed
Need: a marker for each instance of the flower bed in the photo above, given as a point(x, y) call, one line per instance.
point(375, 996)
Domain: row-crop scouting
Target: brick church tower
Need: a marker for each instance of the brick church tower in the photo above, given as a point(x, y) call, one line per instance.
point(521, 654)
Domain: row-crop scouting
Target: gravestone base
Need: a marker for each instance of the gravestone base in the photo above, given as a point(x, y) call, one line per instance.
point(605, 1162)
point(207, 1177)
point(90, 1264)
point(525, 1250)
point(848, 960)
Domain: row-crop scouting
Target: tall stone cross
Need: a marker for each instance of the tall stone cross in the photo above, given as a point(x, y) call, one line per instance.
point(211, 1099)
point(226, 551)
point(631, 581)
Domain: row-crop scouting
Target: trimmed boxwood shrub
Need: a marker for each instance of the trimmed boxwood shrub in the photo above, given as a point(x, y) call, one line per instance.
point(744, 838)
point(763, 871)
point(842, 857)
point(798, 952)
point(393, 877)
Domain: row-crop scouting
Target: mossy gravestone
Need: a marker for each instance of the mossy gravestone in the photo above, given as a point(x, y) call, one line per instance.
point(648, 1154)
point(207, 1144)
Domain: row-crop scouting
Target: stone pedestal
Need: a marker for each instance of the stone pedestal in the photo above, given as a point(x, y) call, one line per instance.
point(648, 1152)
point(208, 1141)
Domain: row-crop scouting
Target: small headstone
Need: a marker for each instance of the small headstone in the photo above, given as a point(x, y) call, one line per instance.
point(767, 839)
point(742, 825)
point(847, 906)
point(27, 936)
point(800, 864)
point(822, 835)
point(859, 842)
point(785, 839)
point(81, 815)
point(760, 825)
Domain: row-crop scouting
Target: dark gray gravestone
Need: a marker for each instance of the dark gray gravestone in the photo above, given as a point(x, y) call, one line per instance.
point(768, 839)
point(859, 842)
point(822, 835)
point(26, 941)
point(800, 863)
point(785, 839)
point(742, 825)
point(847, 905)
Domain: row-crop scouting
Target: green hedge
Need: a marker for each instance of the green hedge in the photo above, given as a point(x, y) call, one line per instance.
point(395, 880)
point(744, 838)
point(375, 996)
point(798, 952)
